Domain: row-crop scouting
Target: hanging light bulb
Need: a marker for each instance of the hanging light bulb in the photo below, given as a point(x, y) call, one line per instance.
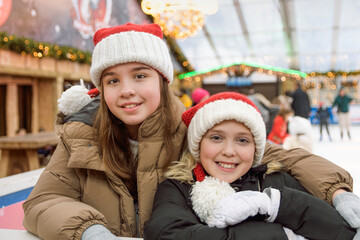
point(179, 19)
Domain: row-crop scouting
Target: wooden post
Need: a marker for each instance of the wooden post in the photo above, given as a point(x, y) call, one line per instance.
point(4, 162)
point(12, 109)
point(35, 107)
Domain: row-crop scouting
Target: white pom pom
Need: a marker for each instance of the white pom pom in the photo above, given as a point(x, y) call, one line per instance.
point(299, 125)
point(206, 194)
point(73, 99)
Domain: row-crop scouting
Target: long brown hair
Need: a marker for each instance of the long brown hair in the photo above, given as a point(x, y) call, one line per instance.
point(113, 137)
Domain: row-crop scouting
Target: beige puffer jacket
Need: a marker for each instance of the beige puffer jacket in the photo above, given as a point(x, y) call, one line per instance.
point(70, 196)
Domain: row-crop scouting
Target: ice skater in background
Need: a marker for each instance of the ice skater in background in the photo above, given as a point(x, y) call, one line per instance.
point(342, 102)
point(323, 115)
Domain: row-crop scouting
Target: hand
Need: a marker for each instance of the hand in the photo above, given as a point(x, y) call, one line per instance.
point(97, 232)
point(241, 205)
point(348, 205)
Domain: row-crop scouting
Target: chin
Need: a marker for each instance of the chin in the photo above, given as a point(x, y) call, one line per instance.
point(227, 179)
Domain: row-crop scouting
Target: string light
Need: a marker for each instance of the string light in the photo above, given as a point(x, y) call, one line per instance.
point(26, 46)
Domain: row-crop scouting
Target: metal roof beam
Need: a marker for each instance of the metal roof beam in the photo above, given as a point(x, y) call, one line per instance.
point(243, 26)
point(335, 35)
point(283, 9)
point(212, 44)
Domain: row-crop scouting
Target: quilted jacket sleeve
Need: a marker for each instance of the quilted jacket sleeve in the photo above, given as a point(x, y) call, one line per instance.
point(319, 176)
point(54, 210)
point(305, 214)
point(173, 218)
point(311, 217)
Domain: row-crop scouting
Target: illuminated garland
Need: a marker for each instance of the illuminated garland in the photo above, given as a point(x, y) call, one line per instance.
point(333, 74)
point(25, 46)
point(235, 67)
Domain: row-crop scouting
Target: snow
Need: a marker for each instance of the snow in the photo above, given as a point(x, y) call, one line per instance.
point(344, 153)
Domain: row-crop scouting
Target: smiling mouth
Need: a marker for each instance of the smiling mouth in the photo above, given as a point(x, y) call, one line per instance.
point(227, 165)
point(130, 105)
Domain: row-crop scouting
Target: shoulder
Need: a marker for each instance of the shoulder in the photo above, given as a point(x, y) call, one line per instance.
point(76, 130)
point(174, 184)
point(173, 191)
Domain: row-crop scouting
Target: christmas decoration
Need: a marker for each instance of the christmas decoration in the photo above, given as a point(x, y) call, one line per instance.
point(25, 46)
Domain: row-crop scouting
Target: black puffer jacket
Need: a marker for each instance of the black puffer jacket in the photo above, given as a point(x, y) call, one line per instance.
point(300, 103)
point(173, 217)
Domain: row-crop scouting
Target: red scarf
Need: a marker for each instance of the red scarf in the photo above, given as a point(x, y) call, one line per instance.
point(199, 172)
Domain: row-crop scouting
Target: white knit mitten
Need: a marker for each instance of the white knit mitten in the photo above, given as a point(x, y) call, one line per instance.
point(348, 205)
point(241, 205)
point(97, 232)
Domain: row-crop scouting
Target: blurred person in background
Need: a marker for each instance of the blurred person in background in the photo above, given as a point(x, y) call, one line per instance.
point(199, 95)
point(300, 103)
point(258, 100)
point(21, 132)
point(342, 102)
point(279, 127)
point(184, 98)
point(323, 115)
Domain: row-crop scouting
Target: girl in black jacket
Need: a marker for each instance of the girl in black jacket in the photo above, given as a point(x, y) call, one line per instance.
point(219, 191)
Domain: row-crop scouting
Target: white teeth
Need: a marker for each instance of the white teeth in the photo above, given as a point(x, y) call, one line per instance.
point(224, 165)
point(130, 106)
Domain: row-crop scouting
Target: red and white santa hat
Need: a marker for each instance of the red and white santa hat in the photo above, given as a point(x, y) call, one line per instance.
point(130, 43)
point(218, 108)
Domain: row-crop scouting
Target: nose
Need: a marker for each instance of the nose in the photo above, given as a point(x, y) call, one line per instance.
point(228, 150)
point(127, 89)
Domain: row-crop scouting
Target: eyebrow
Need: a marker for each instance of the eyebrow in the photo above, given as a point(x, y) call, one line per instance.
point(135, 69)
point(239, 133)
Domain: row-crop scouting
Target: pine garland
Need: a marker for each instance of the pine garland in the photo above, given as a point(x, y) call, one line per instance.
point(26, 46)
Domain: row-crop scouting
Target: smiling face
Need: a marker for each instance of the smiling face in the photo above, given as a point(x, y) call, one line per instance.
point(132, 92)
point(227, 151)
